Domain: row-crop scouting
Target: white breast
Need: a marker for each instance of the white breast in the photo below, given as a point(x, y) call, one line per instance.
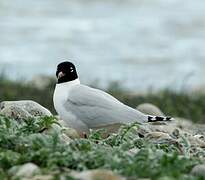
point(60, 97)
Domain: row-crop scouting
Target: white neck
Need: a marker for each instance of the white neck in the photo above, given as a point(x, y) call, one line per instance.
point(74, 82)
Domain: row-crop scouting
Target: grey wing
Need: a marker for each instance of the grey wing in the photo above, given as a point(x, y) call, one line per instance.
point(97, 108)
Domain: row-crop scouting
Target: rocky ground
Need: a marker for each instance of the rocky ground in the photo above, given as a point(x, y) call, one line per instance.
point(36, 145)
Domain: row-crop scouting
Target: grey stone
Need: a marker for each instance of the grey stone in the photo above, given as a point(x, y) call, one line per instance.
point(198, 170)
point(150, 109)
point(13, 170)
point(159, 137)
point(71, 133)
point(15, 112)
point(63, 128)
point(27, 170)
point(23, 109)
point(196, 141)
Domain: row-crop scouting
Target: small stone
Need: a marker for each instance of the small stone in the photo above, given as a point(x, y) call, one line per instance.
point(27, 170)
point(166, 128)
point(198, 170)
point(150, 109)
point(200, 136)
point(96, 174)
point(176, 133)
point(71, 133)
point(196, 141)
point(159, 137)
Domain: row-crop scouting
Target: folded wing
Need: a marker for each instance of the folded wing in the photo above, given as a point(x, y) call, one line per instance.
point(97, 108)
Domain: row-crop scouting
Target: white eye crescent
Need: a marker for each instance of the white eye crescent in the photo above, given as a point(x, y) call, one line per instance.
point(71, 69)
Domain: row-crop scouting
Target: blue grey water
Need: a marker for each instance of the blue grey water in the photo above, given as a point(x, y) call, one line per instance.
point(140, 43)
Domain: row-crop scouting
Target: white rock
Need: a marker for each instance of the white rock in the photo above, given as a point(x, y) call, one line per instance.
point(23, 109)
point(150, 109)
point(15, 112)
point(27, 170)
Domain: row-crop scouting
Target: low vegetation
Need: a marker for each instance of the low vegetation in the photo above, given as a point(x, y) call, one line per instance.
point(124, 153)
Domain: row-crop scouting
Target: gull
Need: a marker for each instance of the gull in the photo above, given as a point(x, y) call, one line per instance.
point(83, 108)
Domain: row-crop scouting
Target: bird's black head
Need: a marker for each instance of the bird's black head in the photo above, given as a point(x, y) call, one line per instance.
point(66, 72)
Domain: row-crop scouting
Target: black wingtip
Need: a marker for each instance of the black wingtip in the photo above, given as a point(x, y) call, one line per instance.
point(169, 118)
point(158, 118)
point(150, 119)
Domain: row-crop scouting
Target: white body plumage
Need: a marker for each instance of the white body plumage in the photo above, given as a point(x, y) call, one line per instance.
point(84, 108)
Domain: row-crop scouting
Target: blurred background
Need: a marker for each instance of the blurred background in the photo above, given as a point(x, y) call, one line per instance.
point(140, 43)
point(143, 45)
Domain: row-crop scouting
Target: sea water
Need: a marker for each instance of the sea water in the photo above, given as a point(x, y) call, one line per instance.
point(142, 44)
